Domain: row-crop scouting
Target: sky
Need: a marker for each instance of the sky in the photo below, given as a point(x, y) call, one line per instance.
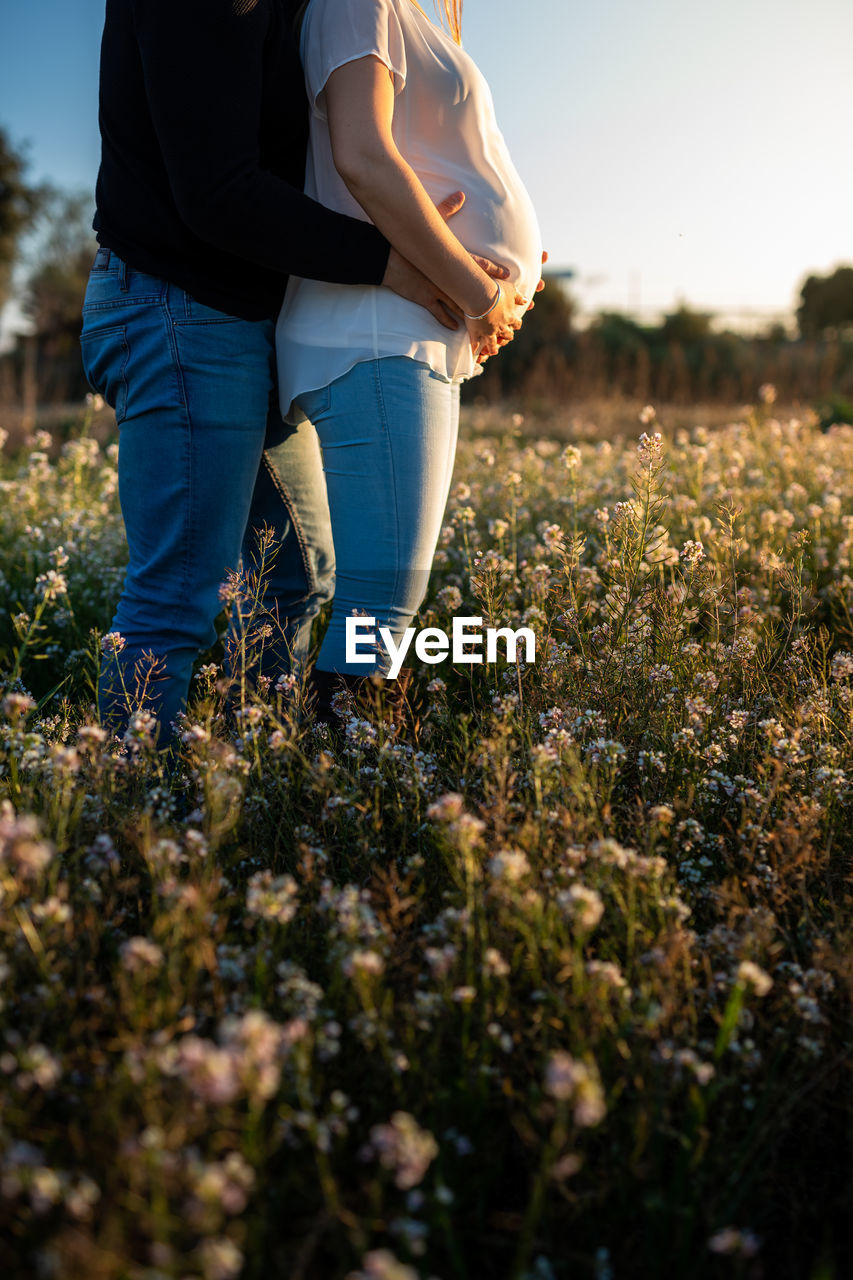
point(675, 151)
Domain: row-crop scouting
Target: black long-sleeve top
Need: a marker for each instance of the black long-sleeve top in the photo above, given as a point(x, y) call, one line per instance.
point(204, 125)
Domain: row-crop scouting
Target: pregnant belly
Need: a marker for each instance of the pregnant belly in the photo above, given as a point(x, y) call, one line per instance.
point(497, 220)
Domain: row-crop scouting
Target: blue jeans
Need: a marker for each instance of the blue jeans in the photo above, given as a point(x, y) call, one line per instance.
point(205, 463)
point(388, 432)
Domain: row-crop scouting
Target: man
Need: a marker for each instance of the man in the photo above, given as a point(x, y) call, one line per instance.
point(200, 218)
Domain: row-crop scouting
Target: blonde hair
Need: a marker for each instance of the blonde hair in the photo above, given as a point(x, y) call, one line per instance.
point(453, 14)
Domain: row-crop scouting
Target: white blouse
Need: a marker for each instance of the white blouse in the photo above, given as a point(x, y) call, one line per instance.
point(444, 126)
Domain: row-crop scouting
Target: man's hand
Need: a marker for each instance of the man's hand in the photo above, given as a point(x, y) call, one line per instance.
point(404, 279)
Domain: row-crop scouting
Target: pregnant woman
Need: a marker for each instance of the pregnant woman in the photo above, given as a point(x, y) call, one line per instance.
point(399, 115)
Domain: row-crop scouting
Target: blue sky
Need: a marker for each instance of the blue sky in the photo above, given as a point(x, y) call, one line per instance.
point(674, 150)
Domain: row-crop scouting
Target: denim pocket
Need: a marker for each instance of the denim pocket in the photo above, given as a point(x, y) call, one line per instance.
point(200, 313)
point(105, 355)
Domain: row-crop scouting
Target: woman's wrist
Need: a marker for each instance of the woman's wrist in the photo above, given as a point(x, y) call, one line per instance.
point(494, 302)
point(478, 292)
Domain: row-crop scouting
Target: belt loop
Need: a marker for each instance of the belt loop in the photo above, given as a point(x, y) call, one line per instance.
point(122, 274)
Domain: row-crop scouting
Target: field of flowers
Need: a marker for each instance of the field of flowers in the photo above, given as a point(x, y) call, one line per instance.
point(551, 982)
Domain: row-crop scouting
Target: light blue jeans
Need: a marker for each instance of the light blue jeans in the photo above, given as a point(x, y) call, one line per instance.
point(388, 431)
point(205, 463)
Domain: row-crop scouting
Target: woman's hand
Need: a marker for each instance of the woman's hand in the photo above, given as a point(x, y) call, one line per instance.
point(492, 348)
point(404, 279)
point(494, 330)
point(541, 285)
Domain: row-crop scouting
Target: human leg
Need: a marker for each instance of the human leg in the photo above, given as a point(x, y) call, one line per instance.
point(290, 500)
point(191, 388)
point(387, 430)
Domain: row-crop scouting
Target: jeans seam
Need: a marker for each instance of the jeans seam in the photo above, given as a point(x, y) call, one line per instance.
point(125, 342)
point(384, 418)
point(290, 507)
point(189, 509)
point(191, 321)
point(124, 304)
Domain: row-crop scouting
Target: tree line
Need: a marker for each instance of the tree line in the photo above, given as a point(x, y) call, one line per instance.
point(683, 359)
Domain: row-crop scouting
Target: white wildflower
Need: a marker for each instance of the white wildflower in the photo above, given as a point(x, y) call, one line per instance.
point(569, 1080)
point(751, 975)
